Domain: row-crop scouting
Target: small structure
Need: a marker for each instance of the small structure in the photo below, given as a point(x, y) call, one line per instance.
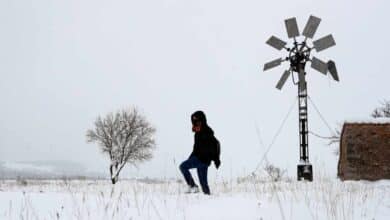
point(365, 150)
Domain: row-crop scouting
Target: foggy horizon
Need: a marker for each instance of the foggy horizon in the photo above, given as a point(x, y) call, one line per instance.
point(63, 64)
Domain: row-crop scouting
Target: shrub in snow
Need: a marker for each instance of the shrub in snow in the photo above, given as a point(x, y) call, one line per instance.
point(275, 173)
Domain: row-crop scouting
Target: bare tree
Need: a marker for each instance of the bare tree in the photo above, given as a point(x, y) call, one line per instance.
point(382, 111)
point(126, 136)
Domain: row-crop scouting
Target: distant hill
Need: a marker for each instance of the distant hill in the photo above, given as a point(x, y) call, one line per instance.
point(47, 170)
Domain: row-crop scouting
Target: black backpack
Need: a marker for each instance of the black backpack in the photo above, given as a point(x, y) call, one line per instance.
point(215, 148)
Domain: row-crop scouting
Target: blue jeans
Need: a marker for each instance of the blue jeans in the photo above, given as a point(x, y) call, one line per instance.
point(194, 162)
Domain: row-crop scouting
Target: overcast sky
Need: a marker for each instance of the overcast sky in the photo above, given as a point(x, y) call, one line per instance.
point(63, 63)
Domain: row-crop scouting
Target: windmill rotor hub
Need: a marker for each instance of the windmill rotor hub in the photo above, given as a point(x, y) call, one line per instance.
point(298, 61)
point(299, 56)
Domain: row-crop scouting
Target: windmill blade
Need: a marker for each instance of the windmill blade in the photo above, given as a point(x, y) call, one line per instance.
point(283, 79)
point(276, 43)
point(319, 65)
point(292, 27)
point(272, 64)
point(332, 70)
point(311, 26)
point(324, 43)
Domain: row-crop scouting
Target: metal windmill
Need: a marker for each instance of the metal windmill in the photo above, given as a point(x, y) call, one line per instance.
point(298, 56)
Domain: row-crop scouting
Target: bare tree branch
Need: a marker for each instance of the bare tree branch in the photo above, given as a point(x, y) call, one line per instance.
point(383, 111)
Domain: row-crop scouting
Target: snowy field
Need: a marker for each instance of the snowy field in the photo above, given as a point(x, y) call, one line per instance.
point(249, 198)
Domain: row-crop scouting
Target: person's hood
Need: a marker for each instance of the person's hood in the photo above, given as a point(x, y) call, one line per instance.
point(199, 115)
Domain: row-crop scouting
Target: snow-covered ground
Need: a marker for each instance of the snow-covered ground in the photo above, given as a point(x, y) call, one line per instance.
point(249, 198)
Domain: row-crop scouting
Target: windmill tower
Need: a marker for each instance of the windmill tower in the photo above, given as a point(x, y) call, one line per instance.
point(298, 56)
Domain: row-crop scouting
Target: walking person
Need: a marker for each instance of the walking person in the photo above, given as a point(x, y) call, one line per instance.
point(206, 149)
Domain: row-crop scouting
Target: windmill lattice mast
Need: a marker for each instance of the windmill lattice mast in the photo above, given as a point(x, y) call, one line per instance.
point(298, 56)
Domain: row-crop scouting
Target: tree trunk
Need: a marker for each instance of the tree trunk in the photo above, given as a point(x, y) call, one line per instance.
point(114, 179)
point(115, 169)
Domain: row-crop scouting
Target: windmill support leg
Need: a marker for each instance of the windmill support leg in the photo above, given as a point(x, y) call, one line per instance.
point(304, 169)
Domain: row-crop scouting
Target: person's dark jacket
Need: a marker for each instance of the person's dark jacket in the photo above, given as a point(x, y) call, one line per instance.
point(204, 143)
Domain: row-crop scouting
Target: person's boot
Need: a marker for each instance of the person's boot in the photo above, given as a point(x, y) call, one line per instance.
point(192, 189)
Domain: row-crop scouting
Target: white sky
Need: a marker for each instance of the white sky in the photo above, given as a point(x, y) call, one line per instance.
point(63, 63)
